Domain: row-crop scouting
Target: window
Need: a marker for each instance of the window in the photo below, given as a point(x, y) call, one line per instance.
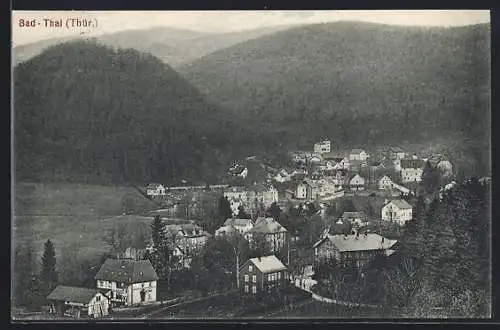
point(254, 278)
point(98, 298)
point(279, 276)
point(250, 268)
point(254, 289)
point(246, 278)
point(269, 278)
point(246, 288)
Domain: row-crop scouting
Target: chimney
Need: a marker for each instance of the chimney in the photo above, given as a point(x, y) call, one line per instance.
point(259, 258)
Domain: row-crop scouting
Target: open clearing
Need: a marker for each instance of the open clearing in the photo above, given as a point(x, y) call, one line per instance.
point(73, 213)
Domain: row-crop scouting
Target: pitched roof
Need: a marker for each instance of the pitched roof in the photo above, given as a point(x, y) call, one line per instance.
point(72, 294)
point(267, 226)
point(154, 185)
point(189, 229)
point(396, 149)
point(357, 151)
point(127, 271)
point(238, 222)
point(363, 242)
point(356, 175)
point(268, 264)
point(356, 214)
point(384, 177)
point(400, 203)
point(412, 163)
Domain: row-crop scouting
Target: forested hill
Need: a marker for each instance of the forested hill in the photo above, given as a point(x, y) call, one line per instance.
point(358, 83)
point(86, 112)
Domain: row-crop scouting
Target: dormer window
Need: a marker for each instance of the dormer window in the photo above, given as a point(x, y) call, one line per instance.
point(250, 268)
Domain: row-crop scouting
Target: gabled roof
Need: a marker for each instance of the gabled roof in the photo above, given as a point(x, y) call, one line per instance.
point(356, 175)
point(238, 169)
point(363, 242)
point(384, 177)
point(154, 186)
point(238, 222)
point(357, 151)
point(396, 150)
point(412, 163)
point(267, 226)
point(268, 264)
point(126, 271)
point(187, 229)
point(356, 214)
point(72, 294)
point(400, 204)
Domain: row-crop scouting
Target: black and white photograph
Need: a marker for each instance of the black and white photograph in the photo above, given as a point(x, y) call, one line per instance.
point(251, 165)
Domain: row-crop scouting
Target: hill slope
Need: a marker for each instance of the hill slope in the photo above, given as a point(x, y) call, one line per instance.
point(358, 83)
point(173, 46)
point(86, 112)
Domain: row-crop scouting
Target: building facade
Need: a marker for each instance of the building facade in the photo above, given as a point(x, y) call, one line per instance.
point(262, 275)
point(411, 170)
point(398, 211)
point(322, 147)
point(78, 302)
point(129, 282)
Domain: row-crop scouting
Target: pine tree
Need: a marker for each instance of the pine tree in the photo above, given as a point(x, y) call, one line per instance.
point(48, 274)
point(157, 232)
point(274, 211)
point(431, 179)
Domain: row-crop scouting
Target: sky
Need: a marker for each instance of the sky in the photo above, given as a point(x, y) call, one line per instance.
point(223, 21)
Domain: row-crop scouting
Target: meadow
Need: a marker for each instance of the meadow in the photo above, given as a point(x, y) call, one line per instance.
point(74, 213)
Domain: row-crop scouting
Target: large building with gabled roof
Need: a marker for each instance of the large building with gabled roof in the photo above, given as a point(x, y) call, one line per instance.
point(128, 281)
point(262, 274)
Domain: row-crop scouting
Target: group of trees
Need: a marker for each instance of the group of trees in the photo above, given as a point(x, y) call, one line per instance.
point(30, 287)
point(441, 267)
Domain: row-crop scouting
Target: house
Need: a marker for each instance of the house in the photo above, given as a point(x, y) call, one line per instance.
point(273, 233)
point(357, 217)
point(262, 275)
point(397, 153)
point(384, 183)
point(240, 226)
point(301, 191)
point(358, 248)
point(313, 188)
point(251, 198)
point(328, 186)
point(78, 302)
point(334, 162)
point(322, 147)
point(238, 171)
point(485, 180)
point(357, 182)
point(129, 281)
point(155, 189)
point(398, 211)
point(411, 170)
point(313, 159)
point(403, 190)
point(358, 154)
point(282, 176)
point(187, 240)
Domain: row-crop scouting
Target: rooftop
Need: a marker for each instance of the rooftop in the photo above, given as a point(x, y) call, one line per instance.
point(363, 242)
point(355, 214)
point(356, 151)
point(412, 163)
point(267, 226)
point(238, 222)
point(127, 271)
point(72, 294)
point(268, 264)
point(400, 203)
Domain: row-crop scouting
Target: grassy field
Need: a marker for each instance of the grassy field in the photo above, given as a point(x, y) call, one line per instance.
point(69, 213)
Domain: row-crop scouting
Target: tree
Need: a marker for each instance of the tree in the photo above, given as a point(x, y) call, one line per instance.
point(157, 232)
point(48, 274)
point(24, 275)
point(242, 214)
point(274, 211)
point(430, 179)
point(118, 237)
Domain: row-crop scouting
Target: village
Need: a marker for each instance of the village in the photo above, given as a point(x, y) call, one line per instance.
point(326, 205)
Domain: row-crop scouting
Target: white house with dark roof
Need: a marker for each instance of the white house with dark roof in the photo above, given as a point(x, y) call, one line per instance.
point(129, 282)
point(398, 211)
point(357, 182)
point(359, 155)
point(384, 183)
point(155, 189)
point(359, 248)
point(240, 226)
point(411, 170)
point(272, 231)
point(78, 302)
point(265, 274)
point(238, 170)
